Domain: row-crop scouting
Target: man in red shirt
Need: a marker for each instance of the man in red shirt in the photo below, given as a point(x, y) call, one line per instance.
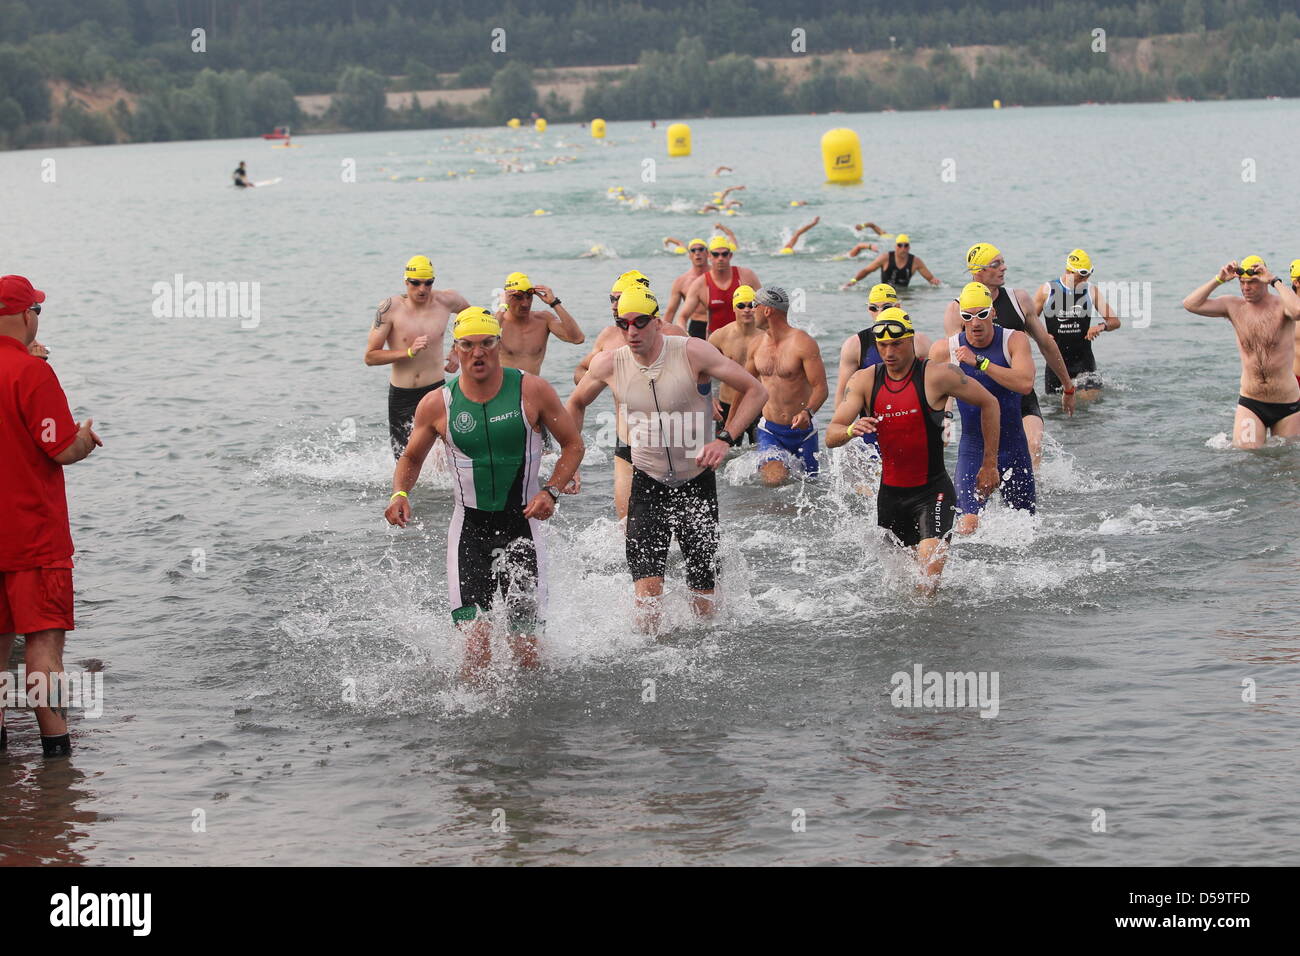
point(38, 436)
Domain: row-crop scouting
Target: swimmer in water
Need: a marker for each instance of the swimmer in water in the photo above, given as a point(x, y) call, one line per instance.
point(902, 401)
point(789, 364)
point(896, 267)
point(1002, 362)
point(714, 290)
point(1068, 305)
point(788, 248)
point(491, 419)
point(656, 380)
point(1265, 325)
point(525, 333)
point(733, 341)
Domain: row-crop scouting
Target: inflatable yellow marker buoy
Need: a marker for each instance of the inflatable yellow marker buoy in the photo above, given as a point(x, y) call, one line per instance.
point(997, 104)
point(513, 122)
point(540, 125)
point(842, 156)
point(598, 129)
point(679, 140)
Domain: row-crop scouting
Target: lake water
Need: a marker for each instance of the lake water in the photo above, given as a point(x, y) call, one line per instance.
point(235, 578)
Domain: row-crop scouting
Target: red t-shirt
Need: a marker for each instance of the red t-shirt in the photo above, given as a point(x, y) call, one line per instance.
point(35, 425)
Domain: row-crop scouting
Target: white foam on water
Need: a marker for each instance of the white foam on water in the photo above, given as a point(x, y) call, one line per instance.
point(1152, 519)
point(333, 461)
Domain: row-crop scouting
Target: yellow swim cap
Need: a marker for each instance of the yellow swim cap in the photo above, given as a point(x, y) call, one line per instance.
point(419, 267)
point(719, 242)
point(975, 296)
point(743, 293)
point(893, 324)
point(637, 300)
point(980, 255)
point(697, 242)
point(1078, 261)
point(901, 238)
point(882, 292)
point(1251, 262)
point(629, 278)
point(679, 251)
point(1295, 269)
point(786, 251)
point(475, 321)
point(518, 282)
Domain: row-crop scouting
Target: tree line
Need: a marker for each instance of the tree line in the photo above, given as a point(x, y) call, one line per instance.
point(1257, 53)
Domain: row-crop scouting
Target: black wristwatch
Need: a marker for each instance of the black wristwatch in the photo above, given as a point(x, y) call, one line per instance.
point(726, 436)
point(1276, 279)
point(552, 491)
point(553, 303)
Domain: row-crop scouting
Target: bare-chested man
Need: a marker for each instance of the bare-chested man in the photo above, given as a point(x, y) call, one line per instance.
point(714, 289)
point(1014, 309)
point(525, 333)
point(1265, 325)
point(789, 364)
point(698, 251)
point(610, 338)
point(733, 341)
point(407, 334)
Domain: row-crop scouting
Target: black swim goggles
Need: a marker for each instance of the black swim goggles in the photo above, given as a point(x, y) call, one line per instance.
point(891, 329)
point(1252, 271)
point(641, 321)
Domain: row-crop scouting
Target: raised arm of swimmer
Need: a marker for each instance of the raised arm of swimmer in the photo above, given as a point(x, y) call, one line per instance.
point(1198, 302)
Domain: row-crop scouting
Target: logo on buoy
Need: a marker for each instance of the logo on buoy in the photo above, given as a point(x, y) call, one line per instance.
point(464, 423)
point(844, 160)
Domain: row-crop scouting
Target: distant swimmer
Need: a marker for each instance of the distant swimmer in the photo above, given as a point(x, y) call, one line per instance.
point(714, 290)
point(859, 350)
point(720, 201)
point(491, 419)
point(407, 334)
point(733, 341)
point(1002, 362)
point(241, 176)
point(656, 382)
point(788, 248)
point(1013, 309)
point(788, 362)
point(609, 339)
point(698, 250)
point(525, 333)
point(869, 225)
point(1269, 400)
point(902, 401)
point(722, 169)
point(1068, 305)
point(896, 267)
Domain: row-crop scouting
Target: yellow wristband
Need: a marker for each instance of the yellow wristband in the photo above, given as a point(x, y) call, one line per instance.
point(850, 431)
point(396, 493)
point(853, 282)
point(410, 354)
point(1219, 280)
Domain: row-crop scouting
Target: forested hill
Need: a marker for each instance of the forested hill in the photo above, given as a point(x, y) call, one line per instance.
point(115, 70)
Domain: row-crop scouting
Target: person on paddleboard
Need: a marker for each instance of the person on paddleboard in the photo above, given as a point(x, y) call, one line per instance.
point(241, 176)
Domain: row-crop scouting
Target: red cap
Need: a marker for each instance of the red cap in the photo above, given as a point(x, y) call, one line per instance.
point(18, 295)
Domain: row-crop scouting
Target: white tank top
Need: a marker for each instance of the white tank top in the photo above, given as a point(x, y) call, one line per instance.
point(666, 419)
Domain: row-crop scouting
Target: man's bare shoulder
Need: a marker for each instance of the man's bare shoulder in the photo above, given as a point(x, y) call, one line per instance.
point(602, 364)
point(608, 338)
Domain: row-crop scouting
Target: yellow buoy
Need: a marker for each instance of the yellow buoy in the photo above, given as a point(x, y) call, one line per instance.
point(997, 104)
point(842, 156)
point(679, 140)
point(540, 125)
point(513, 122)
point(598, 129)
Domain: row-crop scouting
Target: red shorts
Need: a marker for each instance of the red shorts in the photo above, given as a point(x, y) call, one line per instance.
point(36, 600)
